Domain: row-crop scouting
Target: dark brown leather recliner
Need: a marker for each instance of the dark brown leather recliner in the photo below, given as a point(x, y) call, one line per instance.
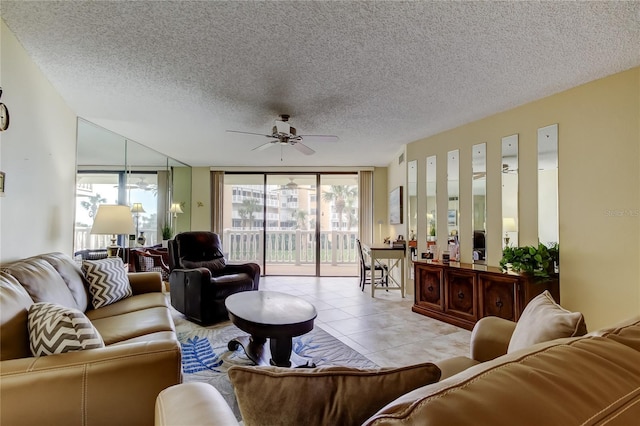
point(200, 281)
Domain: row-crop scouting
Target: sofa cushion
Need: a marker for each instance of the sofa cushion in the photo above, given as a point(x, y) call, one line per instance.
point(14, 308)
point(73, 277)
point(127, 326)
point(543, 320)
point(626, 332)
point(584, 380)
point(321, 396)
point(134, 303)
point(108, 281)
point(42, 282)
point(55, 329)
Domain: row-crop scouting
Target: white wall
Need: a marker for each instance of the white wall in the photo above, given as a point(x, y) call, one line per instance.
point(38, 155)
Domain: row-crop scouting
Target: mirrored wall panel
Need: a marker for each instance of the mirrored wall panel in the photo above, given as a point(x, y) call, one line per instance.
point(509, 170)
point(412, 201)
point(453, 207)
point(112, 169)
point(430, 187)
point(548, 230)
point(479, 194)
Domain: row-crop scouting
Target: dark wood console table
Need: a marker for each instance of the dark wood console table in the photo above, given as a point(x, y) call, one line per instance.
point(461, 293)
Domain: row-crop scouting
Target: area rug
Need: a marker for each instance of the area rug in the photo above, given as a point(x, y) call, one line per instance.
point(206, 357)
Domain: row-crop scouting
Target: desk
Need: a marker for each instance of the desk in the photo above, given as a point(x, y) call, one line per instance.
point(395, 258)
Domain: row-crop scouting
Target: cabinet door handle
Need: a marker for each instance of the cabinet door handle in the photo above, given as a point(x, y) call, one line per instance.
point(499, 303)
point(430, 288)
point(461, 295)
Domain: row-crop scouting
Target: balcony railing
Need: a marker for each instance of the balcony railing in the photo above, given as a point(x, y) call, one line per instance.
point(83, 239)
point(293, 247)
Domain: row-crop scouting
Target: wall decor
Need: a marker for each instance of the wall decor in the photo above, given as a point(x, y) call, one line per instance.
point(395, 206)
point(452, 217)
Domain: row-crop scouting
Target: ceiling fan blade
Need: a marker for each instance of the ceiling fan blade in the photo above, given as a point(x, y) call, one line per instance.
point(319, 138)
point(249, 133)
point(263, 146)
point(303, 148)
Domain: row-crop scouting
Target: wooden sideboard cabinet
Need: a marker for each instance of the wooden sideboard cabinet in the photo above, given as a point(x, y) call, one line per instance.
point(461, 294)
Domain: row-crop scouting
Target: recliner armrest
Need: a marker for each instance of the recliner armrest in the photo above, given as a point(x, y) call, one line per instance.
point(490, 338)
point(251, 269)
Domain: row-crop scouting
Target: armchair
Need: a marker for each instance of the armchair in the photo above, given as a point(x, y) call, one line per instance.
point(200, 280)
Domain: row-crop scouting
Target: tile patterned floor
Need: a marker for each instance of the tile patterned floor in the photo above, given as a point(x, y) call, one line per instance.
point(383, 328)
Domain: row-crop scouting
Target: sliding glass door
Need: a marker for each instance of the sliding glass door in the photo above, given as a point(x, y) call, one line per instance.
point(292, 224)
point(291, 236)
point(338, 198)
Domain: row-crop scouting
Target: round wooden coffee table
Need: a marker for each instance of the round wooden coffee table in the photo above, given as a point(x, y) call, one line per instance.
point(270, 315)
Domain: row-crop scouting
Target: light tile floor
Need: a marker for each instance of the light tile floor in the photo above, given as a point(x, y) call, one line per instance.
point(384, 328)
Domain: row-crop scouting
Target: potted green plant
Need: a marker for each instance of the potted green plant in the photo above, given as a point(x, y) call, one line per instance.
point(166, 234)
point(532, 260)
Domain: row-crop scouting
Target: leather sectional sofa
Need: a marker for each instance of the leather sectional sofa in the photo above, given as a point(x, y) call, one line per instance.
point(589, 380)
point(114, 385)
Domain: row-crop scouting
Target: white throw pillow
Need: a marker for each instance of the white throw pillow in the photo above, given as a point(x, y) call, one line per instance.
point(108, 281)
point(543, 320)
point(55, 329)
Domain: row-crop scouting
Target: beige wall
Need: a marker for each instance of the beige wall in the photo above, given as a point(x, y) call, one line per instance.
point(38, 155)
point(599, 189)
point(201, 199)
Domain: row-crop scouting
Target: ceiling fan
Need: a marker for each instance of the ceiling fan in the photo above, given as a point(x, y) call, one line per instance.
point(283, 133)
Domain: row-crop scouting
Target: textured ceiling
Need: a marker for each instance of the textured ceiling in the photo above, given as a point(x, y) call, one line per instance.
point(175, 75)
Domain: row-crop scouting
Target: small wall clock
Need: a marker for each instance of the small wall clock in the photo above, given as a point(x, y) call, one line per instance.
point(4, 115)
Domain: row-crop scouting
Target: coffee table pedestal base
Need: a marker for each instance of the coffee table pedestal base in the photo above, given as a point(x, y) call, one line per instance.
point(277, 353)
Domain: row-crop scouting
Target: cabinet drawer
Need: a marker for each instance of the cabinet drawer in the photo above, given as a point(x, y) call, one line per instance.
point(461, 295)
point(428, 291)
point(498, 296)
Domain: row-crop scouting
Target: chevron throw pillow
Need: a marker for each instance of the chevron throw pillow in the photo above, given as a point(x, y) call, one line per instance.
point(108, 281)
point(55, 329)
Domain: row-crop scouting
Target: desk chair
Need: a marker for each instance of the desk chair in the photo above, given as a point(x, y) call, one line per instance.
point(366, 276)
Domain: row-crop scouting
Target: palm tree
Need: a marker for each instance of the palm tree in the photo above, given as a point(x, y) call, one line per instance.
point(92, 205)
point(300, 217)
point(249, 207)
point(341, 196)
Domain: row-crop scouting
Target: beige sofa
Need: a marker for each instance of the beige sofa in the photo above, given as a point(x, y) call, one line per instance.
point(588, 380)
point(117, 384)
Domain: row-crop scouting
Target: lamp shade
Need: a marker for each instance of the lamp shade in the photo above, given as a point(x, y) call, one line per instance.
point(508, 224)
point(137, 208)
point(113, 219)
point(175, 208)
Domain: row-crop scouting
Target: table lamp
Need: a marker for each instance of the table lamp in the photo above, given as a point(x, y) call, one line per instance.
point(508, 225)
point(114, 220)
point(137, 209)
point(175, 209)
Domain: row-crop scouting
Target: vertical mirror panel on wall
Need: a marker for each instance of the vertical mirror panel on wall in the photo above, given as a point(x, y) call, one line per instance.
point(548, 230)
point(430, 187)
point(479, 194)
point(509, 170)
point(114, 170)
point(412, 201)
point(453, 208)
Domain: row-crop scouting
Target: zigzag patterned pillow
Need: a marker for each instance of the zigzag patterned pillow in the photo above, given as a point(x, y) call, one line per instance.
point(55, 329)
point(108, 281)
